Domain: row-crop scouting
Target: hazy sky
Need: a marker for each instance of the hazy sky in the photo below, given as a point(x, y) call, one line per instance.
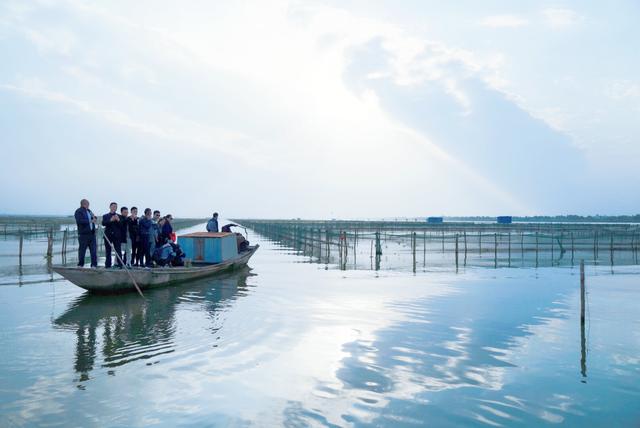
point(321, 108)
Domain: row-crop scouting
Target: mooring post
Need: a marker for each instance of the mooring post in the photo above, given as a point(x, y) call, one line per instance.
point(480, 243)
point(443, 240)
point(495, 250)
point(509, 239)
point(424, 248)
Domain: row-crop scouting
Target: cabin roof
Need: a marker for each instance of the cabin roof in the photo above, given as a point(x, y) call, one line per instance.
point(206, 235)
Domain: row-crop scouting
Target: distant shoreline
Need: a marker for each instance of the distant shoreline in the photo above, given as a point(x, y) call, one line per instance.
point(7, 218)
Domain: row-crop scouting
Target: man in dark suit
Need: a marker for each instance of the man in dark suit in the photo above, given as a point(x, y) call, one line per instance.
point(86, 223)
point(113, 233)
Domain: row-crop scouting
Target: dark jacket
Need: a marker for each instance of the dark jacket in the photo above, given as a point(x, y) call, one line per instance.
point(83, 222)
point(134, 231)
point(124, 227)
point(112, 229)
point(167, 229)
point(144, 227)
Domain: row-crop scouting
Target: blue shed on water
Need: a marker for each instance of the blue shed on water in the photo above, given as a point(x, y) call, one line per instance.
point(209, 247)
point(505, 219)
point(435, 220)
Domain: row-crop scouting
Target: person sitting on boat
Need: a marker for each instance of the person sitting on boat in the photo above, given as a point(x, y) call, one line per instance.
point(227, 227)
point(145, 226)
point(164, 254)
point(243, 244)
point(125, 239)
point(112, 233)
point(134, 236)
point(86, 223)
point(212, 224)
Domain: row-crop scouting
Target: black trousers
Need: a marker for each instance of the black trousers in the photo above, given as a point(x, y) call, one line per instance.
point(107, 251)
point(135, 245)
point(145, 245)
point(84, 242)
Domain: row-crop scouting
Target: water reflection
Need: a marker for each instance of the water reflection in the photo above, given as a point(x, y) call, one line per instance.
point(478, 360)
point(126, 328)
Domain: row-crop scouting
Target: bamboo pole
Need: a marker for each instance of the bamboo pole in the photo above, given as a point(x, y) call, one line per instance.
point(50, 244)
point(457, 252)
point(21, 244)
point(537, 248)
point(413, 248)
point(611, 249)
point(573, 248)
point(583, 348)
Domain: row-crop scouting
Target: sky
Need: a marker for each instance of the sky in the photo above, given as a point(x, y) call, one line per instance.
point(321, 109)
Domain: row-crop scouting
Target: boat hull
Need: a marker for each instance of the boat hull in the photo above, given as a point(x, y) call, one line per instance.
point(112, 281)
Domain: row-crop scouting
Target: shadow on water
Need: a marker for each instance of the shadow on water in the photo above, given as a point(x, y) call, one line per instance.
point(112, 331)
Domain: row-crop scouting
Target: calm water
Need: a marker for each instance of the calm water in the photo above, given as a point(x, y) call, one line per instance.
point(290, 343)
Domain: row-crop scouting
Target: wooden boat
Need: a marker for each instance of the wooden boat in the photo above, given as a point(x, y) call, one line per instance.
point(114, 280)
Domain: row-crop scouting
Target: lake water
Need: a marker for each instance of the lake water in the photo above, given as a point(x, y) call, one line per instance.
point(293, 343)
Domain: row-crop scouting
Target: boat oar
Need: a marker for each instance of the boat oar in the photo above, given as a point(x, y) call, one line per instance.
point(104, 235)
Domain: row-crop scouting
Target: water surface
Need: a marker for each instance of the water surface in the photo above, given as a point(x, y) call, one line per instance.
point(291, 343)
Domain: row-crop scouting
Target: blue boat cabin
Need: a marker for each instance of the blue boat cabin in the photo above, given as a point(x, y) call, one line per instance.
point(209, 247)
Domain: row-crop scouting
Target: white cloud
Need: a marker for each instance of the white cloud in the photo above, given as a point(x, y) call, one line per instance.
point(503, 21)
point(560, 17)
point(622, 89)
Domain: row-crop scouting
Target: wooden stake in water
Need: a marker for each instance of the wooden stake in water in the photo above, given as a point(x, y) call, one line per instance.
point(50, 245)
point(583, 340)
point(611, 249)
point(378, 246)
point(20, 248)
point(413, 249)
point(456, 252)
point(573, 248)
point(465, 247)
point(495, 250)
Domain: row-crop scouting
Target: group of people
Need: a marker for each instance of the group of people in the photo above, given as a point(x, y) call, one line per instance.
point(133, 239)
